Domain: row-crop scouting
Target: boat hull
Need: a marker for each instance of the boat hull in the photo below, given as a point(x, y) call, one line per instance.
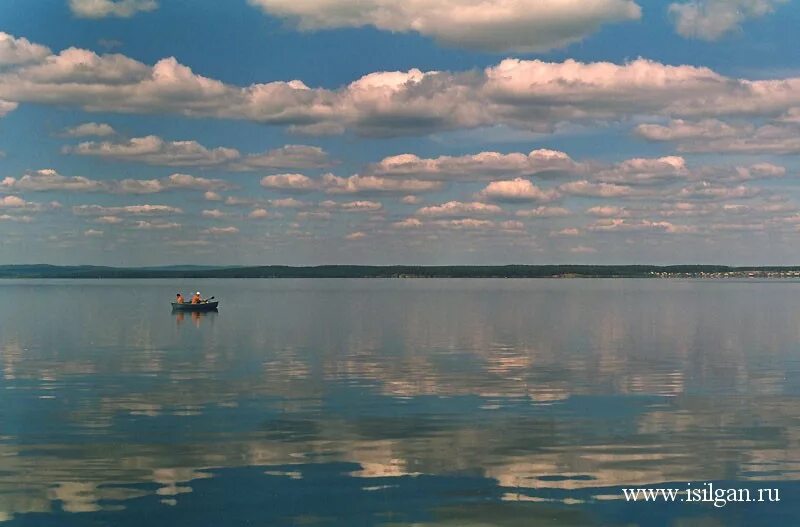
point(203, 306)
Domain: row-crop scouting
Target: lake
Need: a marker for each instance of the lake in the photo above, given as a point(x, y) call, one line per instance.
point(397, 402)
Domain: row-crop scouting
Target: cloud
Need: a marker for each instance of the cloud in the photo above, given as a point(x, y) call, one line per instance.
point(109, 220)
point(258, 214)
point(89, 129)
point(607, 211)
point(543, 212)
point(359, 235)
point(596, 190)
point(155, 151)
point(518, 189)
point(50, 180)
point(524, 94)
point(713, 135)
point(110, 8)
point(481, 225)
point(355, 184)
point(621, 225)
point(156, 225)
point(289, 203)
point(221, 231)
point(372, 184)
point(352, 206)
point(709, 191)
point(760, 171)
point(289, 182)
point(712, 19)
point(6, 107)
point(15, 218)
point(498, 26)
point(408, 223)
point(476, 167)
point(92, 233)
point(127, 210)
point(289, 156)
point(458, 208)
point(644, 171)
point(214, 213)
point(173, 182)
point(680, 130)
point(15, 202)
point(314, 215)
point(15, 51)
point(466, 223)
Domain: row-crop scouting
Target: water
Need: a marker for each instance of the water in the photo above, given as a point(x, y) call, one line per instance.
point(397, 402)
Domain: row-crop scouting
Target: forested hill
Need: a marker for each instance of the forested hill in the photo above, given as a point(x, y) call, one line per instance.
point(397, 271)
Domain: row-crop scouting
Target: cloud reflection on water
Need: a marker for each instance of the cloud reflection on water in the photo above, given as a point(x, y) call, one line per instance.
point(537, 385)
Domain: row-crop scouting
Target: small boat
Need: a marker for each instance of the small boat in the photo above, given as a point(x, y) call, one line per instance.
point(202, 306)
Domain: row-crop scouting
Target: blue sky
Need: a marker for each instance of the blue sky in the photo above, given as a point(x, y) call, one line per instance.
point(145, 132)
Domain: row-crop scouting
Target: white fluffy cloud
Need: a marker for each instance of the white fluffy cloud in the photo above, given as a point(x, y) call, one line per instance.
point(518, 189)
point(20, 50)
point(621, 225)
point(480, 225)
point(710, 191)
point(711, 19)
point(107, 8)
point(352, 206)
point(257, 214)
point(597, 190)
point(289, 182)
point(172, 182)
point(459, 209)
point(155, 151)
point(371, 184)
point(14, 202)
point(482, 166)
point(89, 129)
point(543, 212)
point(712, 135)
point(7, 107)
point(408, 223)
point(128, 210)
point(498, 25)
point(156, 225)
point(221, 231)
point(50, 180)
point(646, 171)
point(607, 211)
point(355, 184)
point(524, 94)
point(680, 130)
point(289, 156)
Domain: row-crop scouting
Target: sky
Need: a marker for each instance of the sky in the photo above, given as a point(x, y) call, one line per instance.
point(432, 132)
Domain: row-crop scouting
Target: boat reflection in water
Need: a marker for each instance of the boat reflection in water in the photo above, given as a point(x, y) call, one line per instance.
point(196, 316)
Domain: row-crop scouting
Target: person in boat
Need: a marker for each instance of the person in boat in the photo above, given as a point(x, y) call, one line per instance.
point(179, 298)
point(197, 299)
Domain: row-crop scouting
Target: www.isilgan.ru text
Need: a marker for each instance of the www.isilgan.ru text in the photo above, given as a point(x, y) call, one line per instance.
point(704, 493)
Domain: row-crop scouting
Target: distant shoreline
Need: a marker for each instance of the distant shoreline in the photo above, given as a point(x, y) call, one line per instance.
point(400, 271)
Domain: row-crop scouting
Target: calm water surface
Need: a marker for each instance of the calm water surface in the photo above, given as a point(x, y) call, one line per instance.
point(396, 402)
